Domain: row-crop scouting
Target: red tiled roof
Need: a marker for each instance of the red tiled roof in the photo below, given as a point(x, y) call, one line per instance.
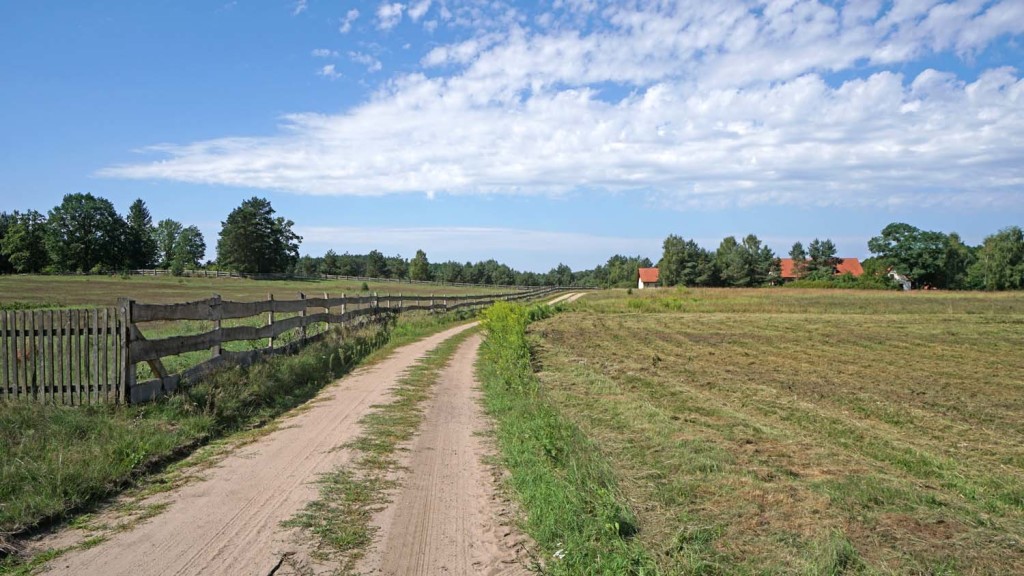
point(648, 275)
point(851, 265)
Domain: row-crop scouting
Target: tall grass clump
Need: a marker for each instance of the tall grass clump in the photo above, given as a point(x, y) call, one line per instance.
point(572, 506)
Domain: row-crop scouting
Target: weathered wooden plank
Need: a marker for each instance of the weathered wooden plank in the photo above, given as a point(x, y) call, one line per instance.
point(94, 355)
point(5, 362)
point(216, 317)
point(104, 344)
point(198, 310)
point(49, 388)
point(80, 382)
point(61, 381)
point(31, 356)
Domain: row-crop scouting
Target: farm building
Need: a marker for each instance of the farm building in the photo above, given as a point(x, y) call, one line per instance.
point(648, 278)
point(846, 266)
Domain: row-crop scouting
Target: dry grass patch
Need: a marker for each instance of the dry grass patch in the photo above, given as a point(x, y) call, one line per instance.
point(761, 431)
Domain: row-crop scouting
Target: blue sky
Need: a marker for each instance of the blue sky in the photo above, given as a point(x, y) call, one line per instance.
point(534, 132)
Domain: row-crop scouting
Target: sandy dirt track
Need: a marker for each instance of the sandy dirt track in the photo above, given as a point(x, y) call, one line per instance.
point(229, 523)
point(447, 518)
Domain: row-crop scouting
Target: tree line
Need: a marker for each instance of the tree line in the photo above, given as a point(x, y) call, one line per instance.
point(85, 234)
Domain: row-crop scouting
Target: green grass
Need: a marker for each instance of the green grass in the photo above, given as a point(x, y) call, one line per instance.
point(803, 431)
point(340, 518)
point(27, 291)
point(572, 504)
point(57, 461)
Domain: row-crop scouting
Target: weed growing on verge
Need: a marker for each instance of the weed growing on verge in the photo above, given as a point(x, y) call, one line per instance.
point(573, 507)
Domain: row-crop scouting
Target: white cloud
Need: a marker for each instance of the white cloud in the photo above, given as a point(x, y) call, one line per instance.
point(300, 7)
point(389, 15)
point(710, 104)
point(418, 9)
point(372, 64)
point(346, 24)
point(328, 71)
point(324, 53)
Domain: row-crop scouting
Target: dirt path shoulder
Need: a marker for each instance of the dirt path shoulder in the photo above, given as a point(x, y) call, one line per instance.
point(448, 518)
point(229, 523)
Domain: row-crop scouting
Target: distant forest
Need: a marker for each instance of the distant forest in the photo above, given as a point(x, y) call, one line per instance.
point(85, 234)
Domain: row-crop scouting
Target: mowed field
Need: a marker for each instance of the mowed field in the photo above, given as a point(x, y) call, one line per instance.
point(804, 432)
point(63, 291)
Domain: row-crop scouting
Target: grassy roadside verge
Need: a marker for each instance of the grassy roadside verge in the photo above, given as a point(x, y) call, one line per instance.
point(349, 496)
point(573, 507)
point(58, 461)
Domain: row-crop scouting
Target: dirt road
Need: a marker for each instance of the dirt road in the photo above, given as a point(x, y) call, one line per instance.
point(229, 523)
point(446, 518)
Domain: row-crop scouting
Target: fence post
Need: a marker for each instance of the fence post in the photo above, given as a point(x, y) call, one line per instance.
point(270, 321)
point(431, 301)
point(343, 304)
point(376, 303)
point(216, 313)
point(302, 313)
point(124, 332)
point(400, 304)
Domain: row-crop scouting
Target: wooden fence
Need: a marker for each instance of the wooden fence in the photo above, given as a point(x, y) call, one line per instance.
point(63, 356)
point(90, 356)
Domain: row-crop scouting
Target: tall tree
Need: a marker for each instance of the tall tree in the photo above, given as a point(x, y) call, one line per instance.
point(6, 221)
point(331, 264)
point(189, 249)
point(376, 265)
point(918, 254)
point(253, 240)
point(419, 268)
point(166, 236)
point(85, 233)
point(823, 260)
point(799, 257)
point(140, 243)
point(685, 262)
point(23, 243)
point(1000, 264)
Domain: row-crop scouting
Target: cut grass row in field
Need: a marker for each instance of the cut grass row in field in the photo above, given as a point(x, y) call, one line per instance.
point(766, 431)
point(26, 291)
point(58, 460)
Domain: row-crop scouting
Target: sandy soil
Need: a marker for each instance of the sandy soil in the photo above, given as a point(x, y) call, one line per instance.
point(229, 523)
point(447, 518)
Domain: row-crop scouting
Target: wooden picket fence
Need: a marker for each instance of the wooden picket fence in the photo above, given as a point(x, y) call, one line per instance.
point(84, 356)
point(64, 356)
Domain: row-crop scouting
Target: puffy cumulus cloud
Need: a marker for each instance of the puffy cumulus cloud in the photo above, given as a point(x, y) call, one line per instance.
point(696, 104)
point(389, 15)
point(329, 71)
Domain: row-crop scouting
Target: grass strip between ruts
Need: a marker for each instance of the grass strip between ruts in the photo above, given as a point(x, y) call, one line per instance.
point(340, 519)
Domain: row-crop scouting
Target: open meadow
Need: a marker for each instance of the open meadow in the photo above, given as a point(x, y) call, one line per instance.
point(72, 291)
point(801, 431)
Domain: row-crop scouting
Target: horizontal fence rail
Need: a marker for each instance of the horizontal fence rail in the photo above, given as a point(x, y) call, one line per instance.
point(85, 356)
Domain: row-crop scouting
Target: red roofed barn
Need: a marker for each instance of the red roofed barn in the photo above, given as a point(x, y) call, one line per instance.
point(648, 278)
point(846, 266)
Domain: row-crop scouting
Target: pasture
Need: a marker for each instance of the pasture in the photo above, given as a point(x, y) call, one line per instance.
point(803, 432)
point(75, 291)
